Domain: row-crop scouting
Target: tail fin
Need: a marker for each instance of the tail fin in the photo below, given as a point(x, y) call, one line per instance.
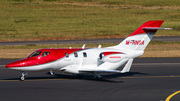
point(140, 38)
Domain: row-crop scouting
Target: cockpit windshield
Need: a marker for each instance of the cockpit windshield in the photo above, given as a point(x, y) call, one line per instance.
point(36, 54)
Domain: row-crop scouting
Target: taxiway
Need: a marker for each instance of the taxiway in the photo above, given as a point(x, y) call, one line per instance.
point(150, 79)
point(87, 41)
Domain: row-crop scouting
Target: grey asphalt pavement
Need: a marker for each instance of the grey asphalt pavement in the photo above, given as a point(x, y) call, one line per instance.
point(113, 40)
point(150, 79)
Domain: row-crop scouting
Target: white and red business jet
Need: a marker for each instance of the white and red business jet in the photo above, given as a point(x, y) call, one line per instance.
point(82, 61)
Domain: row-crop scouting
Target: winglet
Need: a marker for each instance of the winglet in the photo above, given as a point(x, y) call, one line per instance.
point(127, 66)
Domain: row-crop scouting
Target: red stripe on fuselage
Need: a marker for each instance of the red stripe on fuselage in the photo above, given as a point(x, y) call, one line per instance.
point(109, 53)
point(55, 54)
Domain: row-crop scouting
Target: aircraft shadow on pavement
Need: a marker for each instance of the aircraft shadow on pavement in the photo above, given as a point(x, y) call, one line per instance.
point(106, 77)
point(123, 74)
point(87, 78)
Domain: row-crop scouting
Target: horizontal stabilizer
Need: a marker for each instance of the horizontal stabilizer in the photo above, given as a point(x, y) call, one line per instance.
point(155, 28)
point(101, 71)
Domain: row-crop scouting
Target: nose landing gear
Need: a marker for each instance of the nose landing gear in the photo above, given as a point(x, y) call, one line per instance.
point(23, 74)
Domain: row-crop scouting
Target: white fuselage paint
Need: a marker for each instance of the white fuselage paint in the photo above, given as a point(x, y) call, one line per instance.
point(72, 64)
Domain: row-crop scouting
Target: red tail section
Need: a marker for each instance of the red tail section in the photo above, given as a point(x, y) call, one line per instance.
point(156, 23)
point(140, 38)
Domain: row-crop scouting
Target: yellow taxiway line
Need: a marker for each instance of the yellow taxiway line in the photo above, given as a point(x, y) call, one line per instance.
point(170, 96)
point(167, 99)
point(32, 80)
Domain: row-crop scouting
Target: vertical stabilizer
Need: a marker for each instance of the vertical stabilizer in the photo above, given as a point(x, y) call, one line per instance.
point(140, 38)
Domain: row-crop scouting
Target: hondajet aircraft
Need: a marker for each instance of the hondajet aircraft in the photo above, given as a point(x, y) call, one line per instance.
point(94, 61)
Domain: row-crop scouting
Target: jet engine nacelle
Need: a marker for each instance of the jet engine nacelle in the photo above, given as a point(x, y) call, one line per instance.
point(112, 57)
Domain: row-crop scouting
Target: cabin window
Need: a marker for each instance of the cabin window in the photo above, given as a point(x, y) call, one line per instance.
point(67, 55)
point(75, 54)
point(84, 54)
point(36, 54)
point(45, 54)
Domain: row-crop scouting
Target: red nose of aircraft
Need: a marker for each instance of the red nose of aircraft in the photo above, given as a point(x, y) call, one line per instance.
point(13, 65)
point(22, 63)
point(19, 63)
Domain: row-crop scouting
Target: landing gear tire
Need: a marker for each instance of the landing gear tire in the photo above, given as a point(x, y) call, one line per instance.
point(22, 78)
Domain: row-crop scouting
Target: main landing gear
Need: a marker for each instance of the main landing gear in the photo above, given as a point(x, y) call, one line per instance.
point(97, 76)
point(51, 72)
point(23, 74)
point(80, 76)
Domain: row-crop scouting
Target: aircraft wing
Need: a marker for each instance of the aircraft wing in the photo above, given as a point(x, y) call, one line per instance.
point(101, 71)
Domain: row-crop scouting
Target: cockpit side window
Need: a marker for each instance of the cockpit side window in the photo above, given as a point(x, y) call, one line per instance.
point(67, 55)
point(75, 54)
point(36, 54)
point(45, 54)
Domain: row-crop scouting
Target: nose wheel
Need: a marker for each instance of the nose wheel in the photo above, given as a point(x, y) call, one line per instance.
point(23, 74)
